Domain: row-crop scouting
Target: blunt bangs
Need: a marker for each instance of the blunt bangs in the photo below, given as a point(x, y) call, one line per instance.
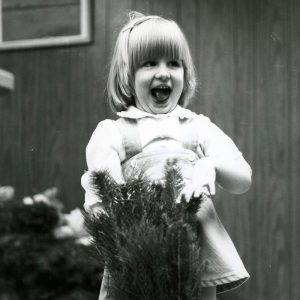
point(154, 39)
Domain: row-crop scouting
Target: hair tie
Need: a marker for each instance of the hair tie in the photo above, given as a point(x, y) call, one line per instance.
point(138, 22)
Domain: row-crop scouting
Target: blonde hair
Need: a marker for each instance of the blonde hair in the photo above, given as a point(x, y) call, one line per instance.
point(145, 37)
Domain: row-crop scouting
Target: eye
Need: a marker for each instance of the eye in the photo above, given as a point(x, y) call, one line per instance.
point(175, 63)
point(149, 63)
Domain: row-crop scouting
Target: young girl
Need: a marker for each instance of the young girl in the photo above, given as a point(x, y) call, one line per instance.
point(150, 82)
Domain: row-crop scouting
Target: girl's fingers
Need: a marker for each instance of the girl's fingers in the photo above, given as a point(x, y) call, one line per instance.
point(197, 192)
point(190, 190)
point(179, 197)
point(212, 189)
point(98, 211)
point(186, 193)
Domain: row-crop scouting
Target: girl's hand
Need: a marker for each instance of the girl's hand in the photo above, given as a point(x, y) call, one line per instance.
point(204, 176)
point(97, 210)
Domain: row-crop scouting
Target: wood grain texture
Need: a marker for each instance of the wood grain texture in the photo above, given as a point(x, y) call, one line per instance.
point(247, 58)
point(293, 174)
point(242, 207)
point(271, 157)
point(53, 20)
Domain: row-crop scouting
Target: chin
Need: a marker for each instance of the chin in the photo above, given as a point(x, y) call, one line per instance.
point(160, 111)
point(163, 109)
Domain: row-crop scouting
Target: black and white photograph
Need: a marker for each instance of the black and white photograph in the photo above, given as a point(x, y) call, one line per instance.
point(150, 149)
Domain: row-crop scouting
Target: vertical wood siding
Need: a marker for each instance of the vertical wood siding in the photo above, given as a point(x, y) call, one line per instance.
point(247, 59)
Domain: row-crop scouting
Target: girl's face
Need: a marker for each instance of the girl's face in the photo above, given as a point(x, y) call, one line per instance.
point(158, 85)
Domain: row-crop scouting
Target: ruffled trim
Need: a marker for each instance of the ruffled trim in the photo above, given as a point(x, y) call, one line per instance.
point(226, 283)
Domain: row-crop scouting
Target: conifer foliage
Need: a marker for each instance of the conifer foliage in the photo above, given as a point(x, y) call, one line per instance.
point(149, 243)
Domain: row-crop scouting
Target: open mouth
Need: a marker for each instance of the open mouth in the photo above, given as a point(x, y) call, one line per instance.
point(161, 93)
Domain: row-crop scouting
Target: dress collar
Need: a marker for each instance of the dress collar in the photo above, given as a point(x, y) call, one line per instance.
point(134, 113)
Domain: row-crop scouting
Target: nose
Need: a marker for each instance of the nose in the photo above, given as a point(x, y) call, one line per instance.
point(162, 72)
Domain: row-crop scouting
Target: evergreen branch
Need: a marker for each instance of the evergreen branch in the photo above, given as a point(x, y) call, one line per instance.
point(150, 244)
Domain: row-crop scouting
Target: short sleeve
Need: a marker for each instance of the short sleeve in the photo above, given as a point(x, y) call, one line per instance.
point(104, 152)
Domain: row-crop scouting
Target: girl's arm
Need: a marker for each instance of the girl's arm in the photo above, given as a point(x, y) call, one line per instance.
point(220, 161)
point(233, 173)
point(103, 153)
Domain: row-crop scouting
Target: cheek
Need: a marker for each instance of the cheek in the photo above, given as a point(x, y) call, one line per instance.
point(180, 80)
point(142, 89)
point(139, 89)
point(180, 75)
point(140, 82)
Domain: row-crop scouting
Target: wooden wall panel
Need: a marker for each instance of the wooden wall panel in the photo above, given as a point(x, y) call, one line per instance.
point(292, 148)
point(145, 7)
point(215, 58)
point(248, 66)
point(241, 207)
point(188, 21)
point(271, 139)
point(167, 8)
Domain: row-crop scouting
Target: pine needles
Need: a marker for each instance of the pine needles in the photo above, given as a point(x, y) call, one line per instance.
point(150, 244)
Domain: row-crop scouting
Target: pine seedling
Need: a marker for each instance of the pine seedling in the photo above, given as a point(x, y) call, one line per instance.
point(150, 244)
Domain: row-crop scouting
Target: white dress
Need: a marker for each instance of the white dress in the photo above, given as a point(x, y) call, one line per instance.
point(156, 139)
